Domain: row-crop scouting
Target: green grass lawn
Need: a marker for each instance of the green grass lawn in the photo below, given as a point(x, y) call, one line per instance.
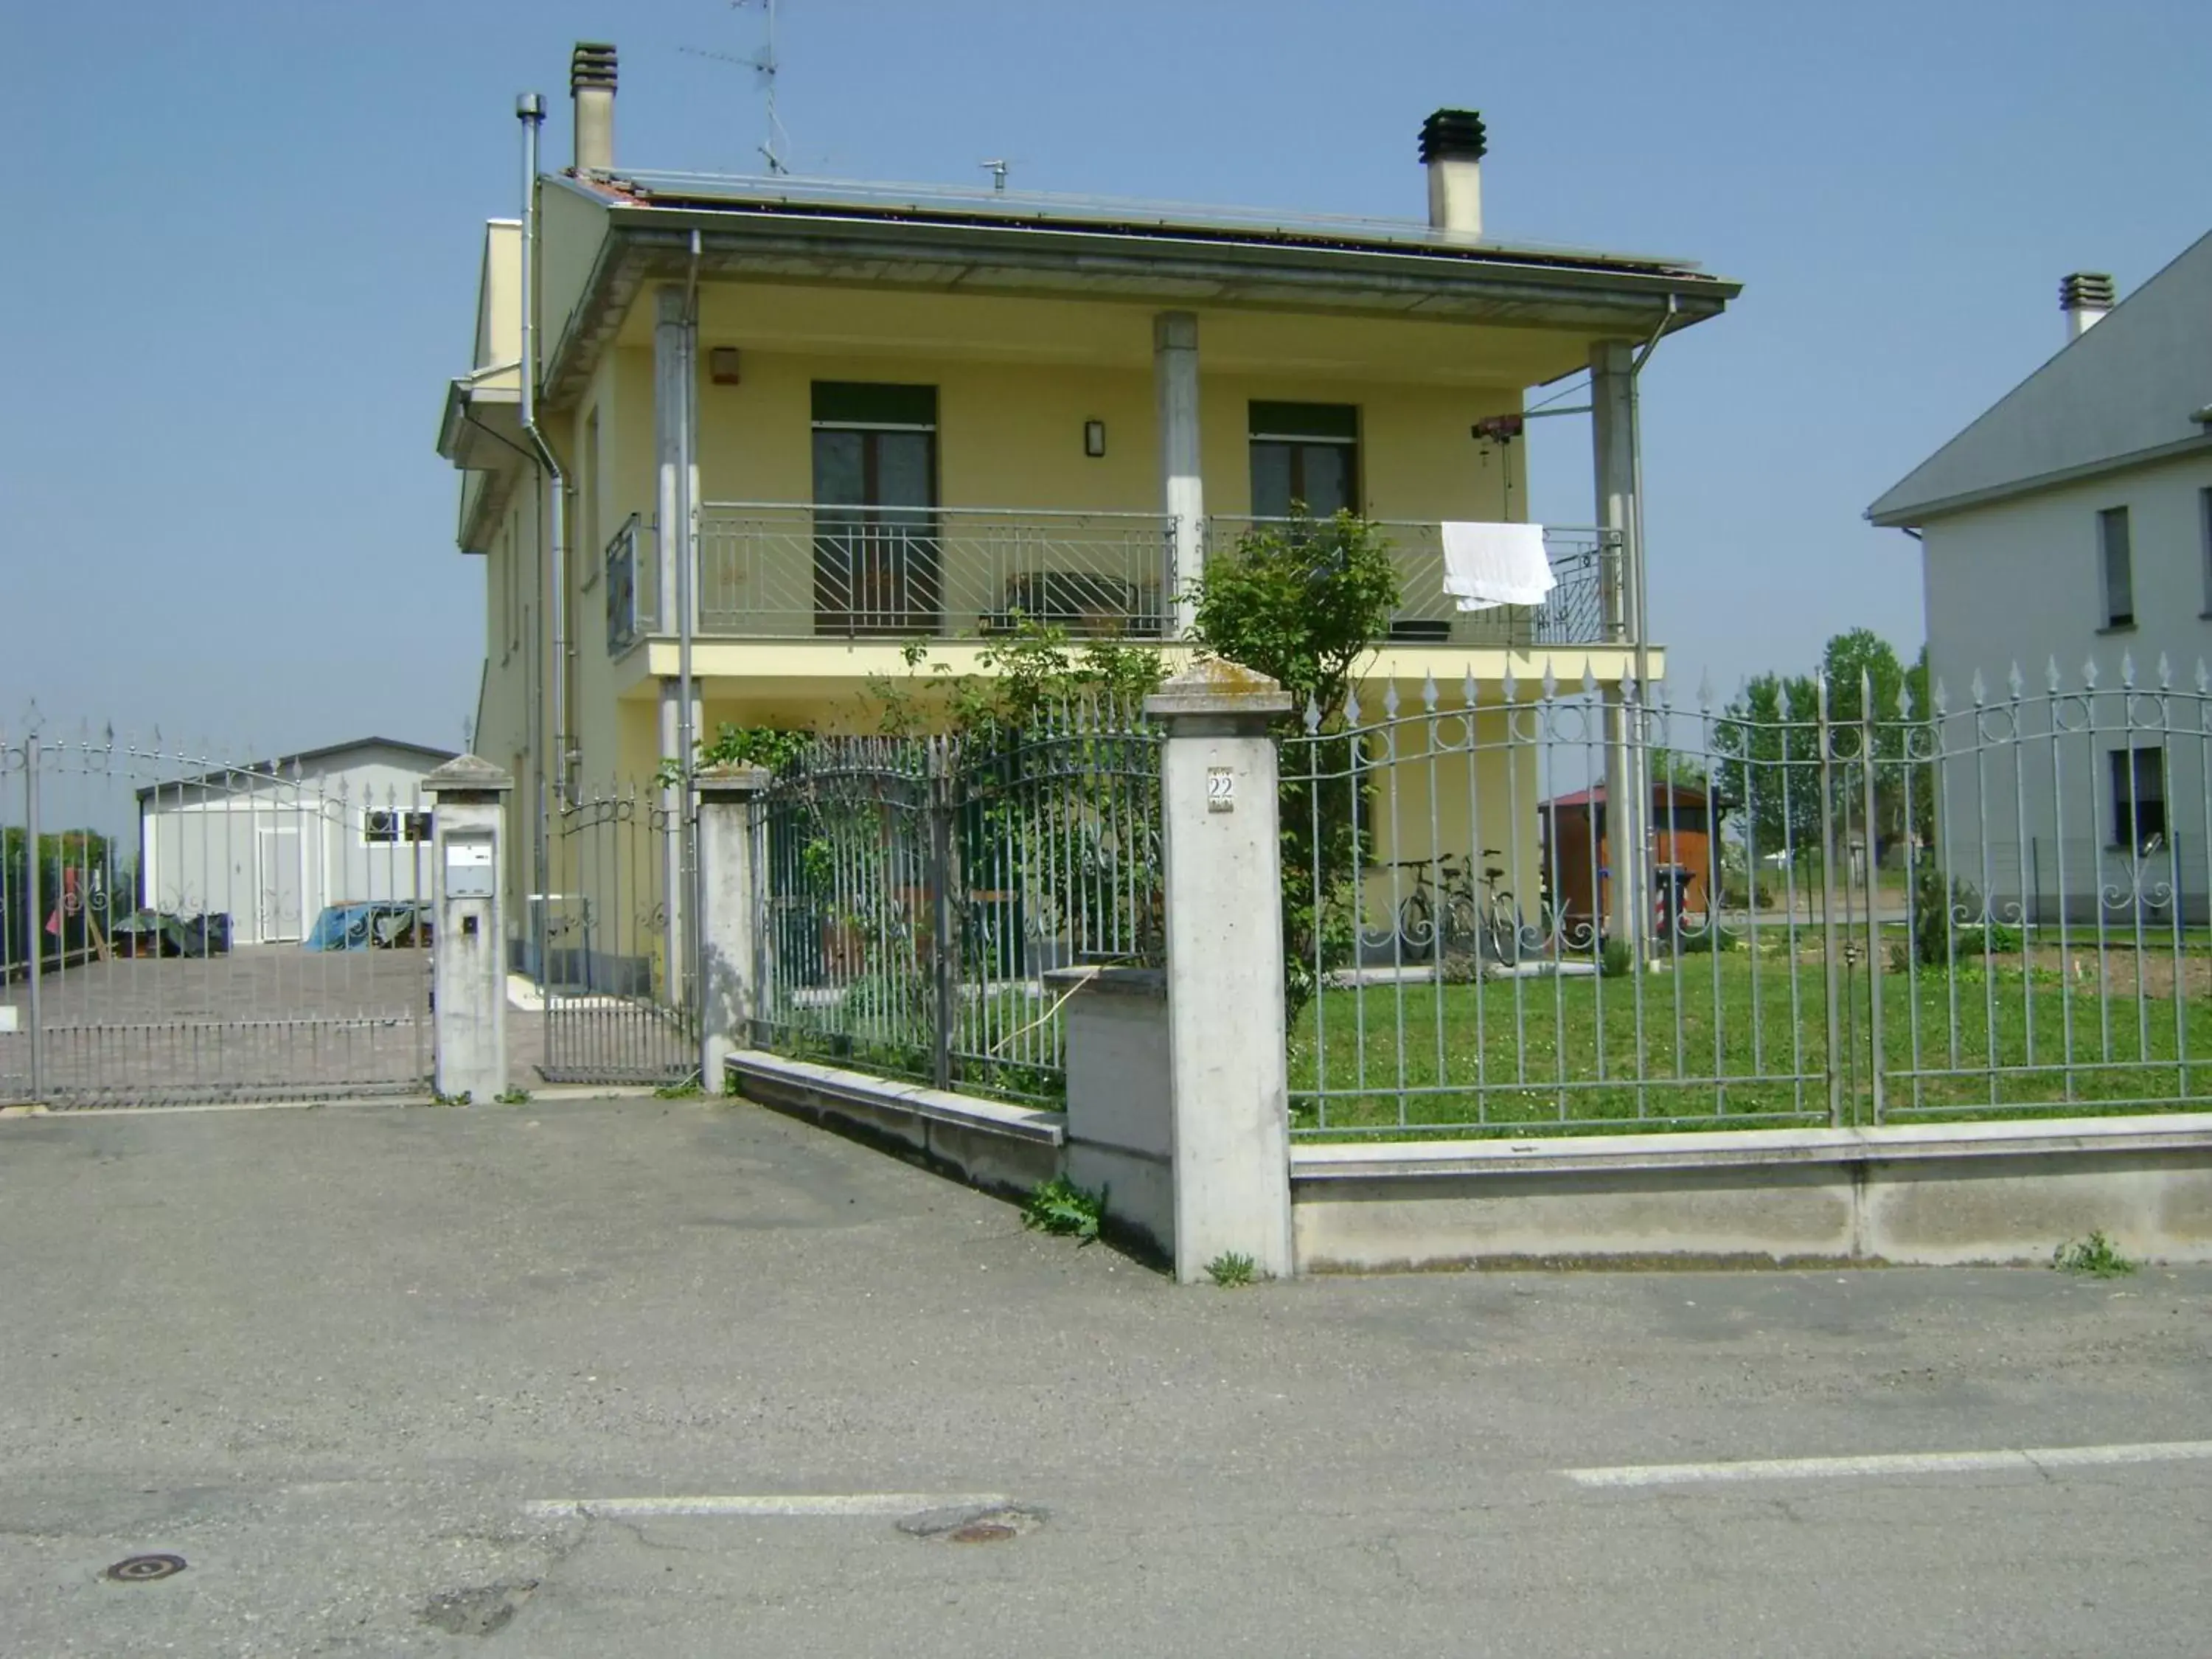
point(1741, 1040)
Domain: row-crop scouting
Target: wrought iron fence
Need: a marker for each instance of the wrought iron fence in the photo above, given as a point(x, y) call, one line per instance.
point(1573, 614)
point(1999, 909)
point(917, 891)
point(799, 569)
point(615, 974)
point(176, 929)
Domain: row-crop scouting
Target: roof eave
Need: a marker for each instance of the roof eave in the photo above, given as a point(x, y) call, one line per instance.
point(269, 770)
point(456, 430)
point(1887, 513)
point(644, 242)
point(1350, 263)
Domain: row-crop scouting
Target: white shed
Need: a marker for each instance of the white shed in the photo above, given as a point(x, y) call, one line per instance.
point(273, 844)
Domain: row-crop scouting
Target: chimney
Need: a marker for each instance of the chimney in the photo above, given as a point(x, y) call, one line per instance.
point(1452, 146)
point(592, 83)
point(2084, 297)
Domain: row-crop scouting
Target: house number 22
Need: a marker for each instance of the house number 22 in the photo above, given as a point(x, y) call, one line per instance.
point(1220, 789)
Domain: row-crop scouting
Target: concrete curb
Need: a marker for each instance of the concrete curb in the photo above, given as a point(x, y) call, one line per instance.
point(1362, 1160)
point(1933, 1195)
point(985, 1143)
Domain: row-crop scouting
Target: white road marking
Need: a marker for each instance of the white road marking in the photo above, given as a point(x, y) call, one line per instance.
point(2035, 1459)
point(784, 1506)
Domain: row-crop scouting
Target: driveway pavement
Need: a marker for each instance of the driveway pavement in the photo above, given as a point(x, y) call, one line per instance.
point(358, 1365)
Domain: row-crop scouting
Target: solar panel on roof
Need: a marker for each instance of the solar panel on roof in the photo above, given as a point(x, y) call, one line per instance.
point(784, 191)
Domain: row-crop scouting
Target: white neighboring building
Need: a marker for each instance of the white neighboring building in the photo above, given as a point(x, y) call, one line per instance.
point(2072, 524)
point(272, 846)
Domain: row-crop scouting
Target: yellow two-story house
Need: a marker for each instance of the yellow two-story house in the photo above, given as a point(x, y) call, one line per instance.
point(759, 435)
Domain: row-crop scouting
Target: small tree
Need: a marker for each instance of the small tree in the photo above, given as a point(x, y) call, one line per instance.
point(772, 746)
point(1304, 603)
point(1868, 685)
point(1767, 752)
point(1027, 674)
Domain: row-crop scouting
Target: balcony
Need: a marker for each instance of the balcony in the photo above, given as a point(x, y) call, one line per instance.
point(1573, 614)
point(800, 571)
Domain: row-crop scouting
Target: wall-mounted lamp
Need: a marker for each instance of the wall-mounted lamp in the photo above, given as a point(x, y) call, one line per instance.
point(1094, 438)
point(724, 364)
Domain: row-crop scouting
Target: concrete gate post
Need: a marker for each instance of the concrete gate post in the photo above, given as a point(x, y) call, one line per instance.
point(468, 933)
point(727, 799)
point(1227, 1066)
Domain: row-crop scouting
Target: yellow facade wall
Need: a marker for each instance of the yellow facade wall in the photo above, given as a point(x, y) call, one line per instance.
point(1416, 461)
point(499, 307)
point(1009, 436)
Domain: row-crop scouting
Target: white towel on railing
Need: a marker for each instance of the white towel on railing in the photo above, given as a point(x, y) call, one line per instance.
point(1487, 565)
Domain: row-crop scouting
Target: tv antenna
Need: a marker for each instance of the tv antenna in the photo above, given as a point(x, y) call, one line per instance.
point(764, 66)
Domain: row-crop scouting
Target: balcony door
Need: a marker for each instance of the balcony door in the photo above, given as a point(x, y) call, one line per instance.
point(879, 560)
point(1304, 455)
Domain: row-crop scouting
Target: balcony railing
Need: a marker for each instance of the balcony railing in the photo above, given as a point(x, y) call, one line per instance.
point(628, 580)
point(796, 570)
point(799, 570)
point(1573, 613)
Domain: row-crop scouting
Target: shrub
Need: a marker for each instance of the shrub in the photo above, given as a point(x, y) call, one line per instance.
point(770, 746)
point(1304, 603)
point(2095, 1255)
point(1231, 1269)
point(1707, 939)
point(1061, 1207)
point(1949, 922)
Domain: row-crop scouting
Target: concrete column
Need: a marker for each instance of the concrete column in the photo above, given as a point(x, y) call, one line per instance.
point(1183, 494)
point(468, 933)
point(675, 418)
point(727, 800)
point(1227, 1066)
point(675, 428)
point(676, 883)
point(1627, 797)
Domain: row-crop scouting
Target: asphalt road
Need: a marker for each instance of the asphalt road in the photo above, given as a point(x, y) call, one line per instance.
point(343, 1360)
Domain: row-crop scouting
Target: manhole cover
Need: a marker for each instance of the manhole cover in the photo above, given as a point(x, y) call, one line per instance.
point(141, 1569)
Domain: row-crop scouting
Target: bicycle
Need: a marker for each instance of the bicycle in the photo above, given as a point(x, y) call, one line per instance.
point(1447, 916)
point(1502, 932)
point(1418, 934)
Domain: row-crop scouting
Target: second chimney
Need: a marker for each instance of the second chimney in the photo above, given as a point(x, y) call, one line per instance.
point(591, 84)
point(1452, 147)
point(2084, 297)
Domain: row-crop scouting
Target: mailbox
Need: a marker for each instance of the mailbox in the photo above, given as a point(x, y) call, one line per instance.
point(470, 873)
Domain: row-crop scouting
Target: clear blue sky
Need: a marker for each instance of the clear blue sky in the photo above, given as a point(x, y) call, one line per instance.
point(242, 259)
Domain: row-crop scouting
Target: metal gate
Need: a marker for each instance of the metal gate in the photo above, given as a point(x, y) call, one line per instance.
point(174, 929)
point(913, 892)
point(613, 962)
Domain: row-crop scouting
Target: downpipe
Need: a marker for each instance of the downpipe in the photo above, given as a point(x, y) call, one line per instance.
point(1639, 801)
point(687, 735)
point(530, 109)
